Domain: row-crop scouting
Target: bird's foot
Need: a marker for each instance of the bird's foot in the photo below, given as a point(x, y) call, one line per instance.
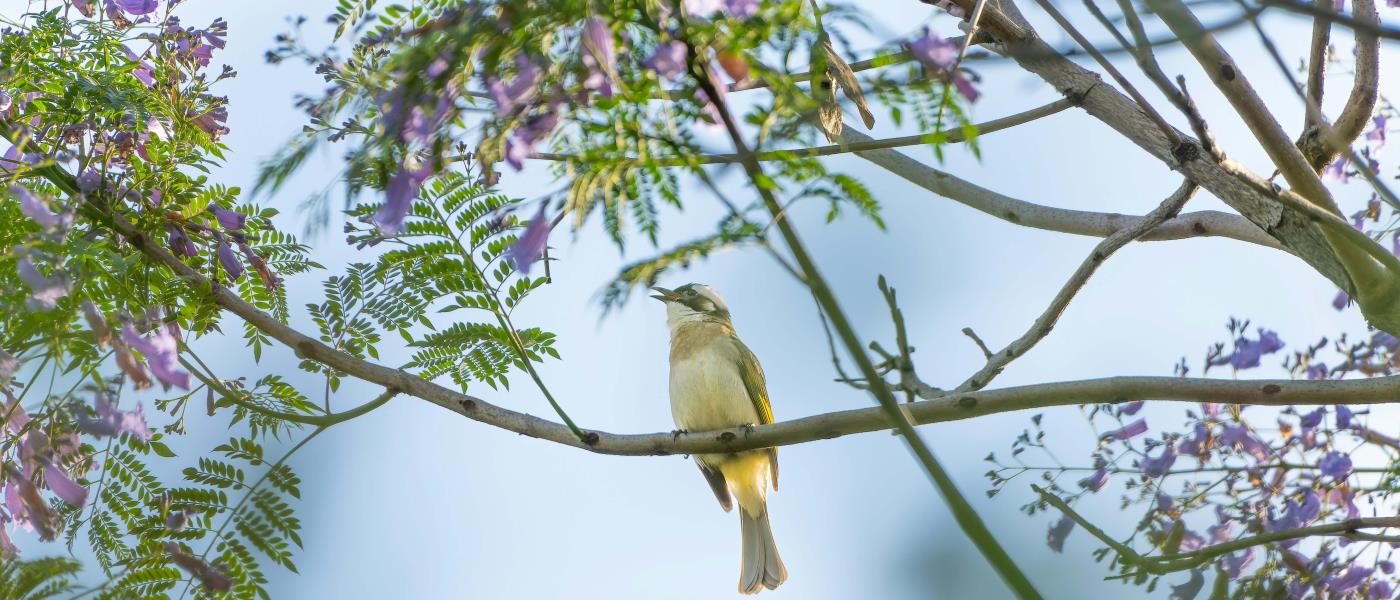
point(677, 433)
point(748, 429)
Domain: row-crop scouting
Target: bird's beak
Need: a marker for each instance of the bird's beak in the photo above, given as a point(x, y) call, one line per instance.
point(663, 294)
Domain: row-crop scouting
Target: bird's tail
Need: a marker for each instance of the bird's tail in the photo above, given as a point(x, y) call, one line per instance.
point(762, 567)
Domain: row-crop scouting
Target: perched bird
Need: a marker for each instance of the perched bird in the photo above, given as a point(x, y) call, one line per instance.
point(717, 383)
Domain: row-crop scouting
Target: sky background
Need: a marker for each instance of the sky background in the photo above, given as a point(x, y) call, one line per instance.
point(413, 501)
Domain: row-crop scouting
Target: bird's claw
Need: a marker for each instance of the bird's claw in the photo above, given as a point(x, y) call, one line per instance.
point(748, 429)
point(677, 433)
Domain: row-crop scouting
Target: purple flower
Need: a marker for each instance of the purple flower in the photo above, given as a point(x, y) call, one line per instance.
point(1235, 564)
point(1312, 419)
point(37, 210)
point(180, 243)
point(1130, 408)
point(1164, 501)
point(1380, 588)
point(88, 181)
point(1343, 496)
point(1095, 481)
point(1385, 340)
point(1316, 371)
point(1239, 438)
point(229, 261)
point(44, 291)
point(1377, 134)
point(212, 121)
point(1341, 301)
point(1190, 589)
point(403, 189)
point(742, 9)
point(934, 52)
point(8, 365)
point(66, 489)
point(1344, 416)
point(1335, 465)
point(162, 355)
point(668, 60)
point(111, 422)
point(1338, 169)
point(522, 88)
point(528, 249)
point(100, 332)
point(139, 7)
point(1352, 579)
point(1248, 352)
point(228, 219)
point(599, 56)
point(1058, 532)
point(1128, 431)
point(142, 72)
point(1196, 444)
point(1157, 467)
point(1219, 533)
point(1387, 567)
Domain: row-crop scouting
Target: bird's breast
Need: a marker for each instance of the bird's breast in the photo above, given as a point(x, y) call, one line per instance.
point(707, 391)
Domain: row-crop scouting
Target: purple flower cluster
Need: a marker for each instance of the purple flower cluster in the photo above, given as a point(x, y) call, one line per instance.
point(939, 57)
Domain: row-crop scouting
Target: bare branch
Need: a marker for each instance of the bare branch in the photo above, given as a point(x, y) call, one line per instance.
point(1317, 143)
point(1038, 216)
point(1233, 83)
point(1047, 319)
point(940, 137)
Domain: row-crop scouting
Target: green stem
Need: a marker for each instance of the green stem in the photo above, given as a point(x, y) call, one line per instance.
point(323, 421)
point(244, 500)
point(963, 512)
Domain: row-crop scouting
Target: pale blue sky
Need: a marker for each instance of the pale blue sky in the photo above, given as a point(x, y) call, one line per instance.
point(416, 502)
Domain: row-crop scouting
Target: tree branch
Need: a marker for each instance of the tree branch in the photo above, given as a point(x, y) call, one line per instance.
point(1046, 321)
point(1319, 145)
point(1038, 216)
point(939, 137)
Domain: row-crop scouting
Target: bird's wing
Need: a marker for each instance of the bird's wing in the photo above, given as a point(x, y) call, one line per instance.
point(757, 386)
point(718, 486)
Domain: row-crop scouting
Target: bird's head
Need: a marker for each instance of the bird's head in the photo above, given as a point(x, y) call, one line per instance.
point(692, 303)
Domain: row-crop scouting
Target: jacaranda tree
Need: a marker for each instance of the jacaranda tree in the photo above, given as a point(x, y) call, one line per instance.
point(117, 250)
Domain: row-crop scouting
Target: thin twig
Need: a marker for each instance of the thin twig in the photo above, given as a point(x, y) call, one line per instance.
point(1113, 71)
point(1046, 321)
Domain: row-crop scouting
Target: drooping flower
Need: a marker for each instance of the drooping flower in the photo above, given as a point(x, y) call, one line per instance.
point(44, 291)
point(8, 365)
point(1377, 133)
point(531, 244)
point(27, 506)
point(1198, 445)
point(142, 72)
point(742, 9)
point(599, 56)
point(402, 190)
point(520, 90)
point(1190, 589)
point(1234, 565)
point(138, 7)
point(1313, 419)
point(1130, 408)
point(111, 422)
point(1344, 416)
point(1341, 301)
point(229, 220)
point(180, 242)
point(1248, 352)
point(1239, 438)
point(229, 261)
point(668, 61)
point(1096, 480)
point(1350, 580)
point(66, 489)
point(1158, 466)
point(1335, 465)
point(1338, 169)
point(1128, 431)
point(934, 51)
point(1058, 532)
point(162, 354)
point(38, 210)
point(101, 333)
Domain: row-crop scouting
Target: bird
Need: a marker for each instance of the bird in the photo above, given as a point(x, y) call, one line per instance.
point(716, 382)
